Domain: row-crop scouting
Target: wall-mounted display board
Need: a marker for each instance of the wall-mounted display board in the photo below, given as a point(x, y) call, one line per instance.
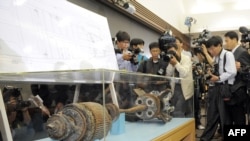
point(50, 35)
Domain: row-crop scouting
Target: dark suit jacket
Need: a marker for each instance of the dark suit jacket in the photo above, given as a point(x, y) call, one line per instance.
point(241, 55)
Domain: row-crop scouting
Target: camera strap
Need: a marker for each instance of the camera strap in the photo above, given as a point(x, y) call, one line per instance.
point(224, 62)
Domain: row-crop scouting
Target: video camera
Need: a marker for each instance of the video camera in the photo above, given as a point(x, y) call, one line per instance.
point(165, 40)
point(10, 91)
point(245, 34)
point(202, 39)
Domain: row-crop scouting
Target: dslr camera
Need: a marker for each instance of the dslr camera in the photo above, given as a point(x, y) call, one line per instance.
point(214, 70)
point(134, 53)
point(10, 91)
point(168, 55)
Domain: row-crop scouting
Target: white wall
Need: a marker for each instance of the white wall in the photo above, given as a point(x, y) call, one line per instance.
point(170, 10)
point(217, 15)
point(214, 15)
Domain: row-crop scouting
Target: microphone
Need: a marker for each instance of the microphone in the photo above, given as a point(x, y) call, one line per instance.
point(243, 30)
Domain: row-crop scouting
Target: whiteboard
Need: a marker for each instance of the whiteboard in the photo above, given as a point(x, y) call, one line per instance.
point(45, 35)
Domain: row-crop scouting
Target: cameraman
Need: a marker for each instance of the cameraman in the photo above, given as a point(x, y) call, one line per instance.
point(18, 116)
point(237, 103)
point(180, 65)
point(217, 111)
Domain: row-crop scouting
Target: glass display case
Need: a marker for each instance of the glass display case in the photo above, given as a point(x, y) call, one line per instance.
point(91, 105)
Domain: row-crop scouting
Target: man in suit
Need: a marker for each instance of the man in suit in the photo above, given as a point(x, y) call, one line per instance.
point(237, 103)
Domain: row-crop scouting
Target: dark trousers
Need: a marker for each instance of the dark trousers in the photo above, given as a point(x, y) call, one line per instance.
point(236, 107)
point(197, 107)
point(216, 111)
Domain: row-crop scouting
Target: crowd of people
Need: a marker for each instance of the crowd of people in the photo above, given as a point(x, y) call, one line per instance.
point(225, 109)
point(223, 67)
point(187, 91)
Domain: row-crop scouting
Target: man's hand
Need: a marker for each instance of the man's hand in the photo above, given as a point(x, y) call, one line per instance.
point(204, 49)
point(127, 56)
point(238, 65)
point(214, 78)
point(59, 107)
point(173, 61)
point(45, 111)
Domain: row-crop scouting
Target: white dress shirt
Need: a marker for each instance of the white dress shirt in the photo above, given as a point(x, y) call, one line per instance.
point(230, 67)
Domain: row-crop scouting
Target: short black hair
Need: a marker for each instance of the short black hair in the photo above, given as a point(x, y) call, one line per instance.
point(232, 35)
point(122, 36)
point(136, 41)
point(171, 45)
point(214, 41)
point(154, 45)
point(179, 39)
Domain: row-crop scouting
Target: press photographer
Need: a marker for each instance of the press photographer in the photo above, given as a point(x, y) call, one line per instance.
point(180, 66)
point(123, 56)
point(219, 88)
point(15, 94)
point(18, 114)
point(200, 88)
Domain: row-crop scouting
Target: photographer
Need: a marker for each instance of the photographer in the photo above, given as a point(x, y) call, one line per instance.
point(123, 56)
point(201, 60)
point(180, 66)
point(200, 86)
point(225, 71)
point(18, 115)
point(237, 103)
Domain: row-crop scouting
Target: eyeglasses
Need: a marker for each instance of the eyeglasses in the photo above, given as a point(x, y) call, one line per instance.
point(125, 42)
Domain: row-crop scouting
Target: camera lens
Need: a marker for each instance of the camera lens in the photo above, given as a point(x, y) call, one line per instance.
point(22, 104)
point(168, 57)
